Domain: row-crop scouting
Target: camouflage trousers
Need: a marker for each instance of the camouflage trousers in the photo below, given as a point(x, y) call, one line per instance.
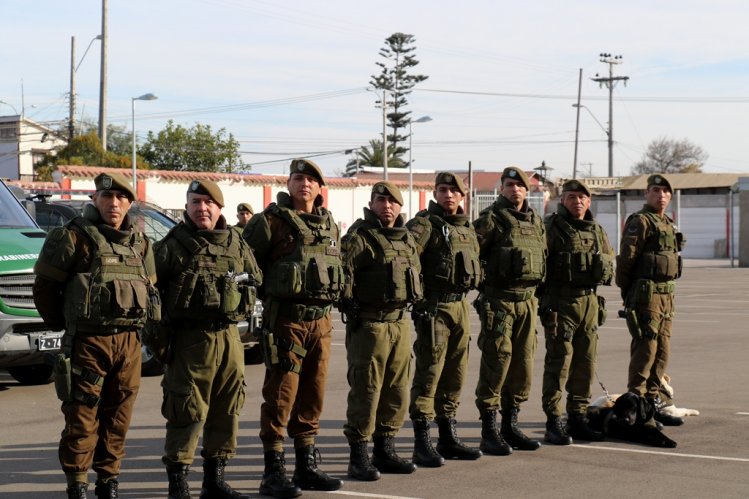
point(508, 346)
point(203, 393)
point(571, 352)
point(441, 351)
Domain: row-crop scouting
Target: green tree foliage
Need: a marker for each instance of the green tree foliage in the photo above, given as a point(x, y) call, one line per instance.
point(399, 59)
point(83, 150)
point(195, 149)
point(119, 137)
point(671, 156)
point(371, 156)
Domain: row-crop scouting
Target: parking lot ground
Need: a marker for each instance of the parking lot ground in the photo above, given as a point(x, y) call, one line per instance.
point(710, 348)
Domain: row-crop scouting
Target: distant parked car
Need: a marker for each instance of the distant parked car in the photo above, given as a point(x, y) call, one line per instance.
point(155, 223)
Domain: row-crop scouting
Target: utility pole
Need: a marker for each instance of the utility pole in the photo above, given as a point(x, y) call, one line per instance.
point(610, 83)
point(103, 77)
point(71, 120)
point(577, 121)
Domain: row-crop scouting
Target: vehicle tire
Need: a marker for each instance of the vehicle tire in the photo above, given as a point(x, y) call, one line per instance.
point(253, 355)
point(150, 365)
point(38, 374)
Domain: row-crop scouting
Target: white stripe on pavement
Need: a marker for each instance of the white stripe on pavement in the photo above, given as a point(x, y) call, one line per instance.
point(362, 494)
point(662, 453)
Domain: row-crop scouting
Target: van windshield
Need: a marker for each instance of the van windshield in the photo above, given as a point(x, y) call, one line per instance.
point(12, 214)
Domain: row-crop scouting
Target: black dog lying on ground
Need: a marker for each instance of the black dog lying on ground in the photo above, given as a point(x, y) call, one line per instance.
point(631, 418)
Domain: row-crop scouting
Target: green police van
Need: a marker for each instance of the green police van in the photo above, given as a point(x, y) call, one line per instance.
point(24, 338)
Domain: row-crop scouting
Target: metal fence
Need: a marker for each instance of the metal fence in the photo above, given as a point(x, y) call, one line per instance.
point(481, 201)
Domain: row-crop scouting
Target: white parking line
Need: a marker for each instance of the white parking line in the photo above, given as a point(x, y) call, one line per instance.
point(362, 494)
point(662, 453)
point(743, 413)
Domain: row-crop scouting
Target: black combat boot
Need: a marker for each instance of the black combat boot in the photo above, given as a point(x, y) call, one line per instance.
point(108, 489)
point(307, 476)
point(555, 432)
point(449, 445)
point(214, 485)
point(667, 419)
point(77, 490)
point(359, 466)
point(178, 486)
point(424, 453)
point(512, 434)
point(578, 428)
point(491, 440)
point(274, 481)
point(387, 460)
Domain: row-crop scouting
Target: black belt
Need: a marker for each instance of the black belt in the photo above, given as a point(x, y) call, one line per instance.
point(302, 312)
point(445, 297)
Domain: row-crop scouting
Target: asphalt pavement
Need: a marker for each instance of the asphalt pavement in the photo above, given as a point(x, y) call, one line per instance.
point(708, 367)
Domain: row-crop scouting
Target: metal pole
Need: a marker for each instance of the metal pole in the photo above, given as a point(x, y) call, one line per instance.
point(384, 136)
point(678, 208)
point(135, 172)
point(577, 122)
point(611, 121)
point(618, 219)
point(730, 226)
point(410, 170)
point(103, 77)
point(71, 119)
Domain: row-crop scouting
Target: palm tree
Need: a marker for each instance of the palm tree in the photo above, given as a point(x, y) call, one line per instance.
point(372, 156)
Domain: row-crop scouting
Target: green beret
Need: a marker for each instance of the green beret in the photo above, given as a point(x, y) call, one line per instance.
point(661, 180)
point(450, 178)
point(308, 167)
point(515, 173)
point(245, 207)
point(390, 189)
point(576, 186)
point(114, 182)
point(209, 188)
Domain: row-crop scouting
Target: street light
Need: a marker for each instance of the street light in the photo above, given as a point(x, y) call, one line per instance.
point(148, 96)
point(10, 106)
point(423, 119)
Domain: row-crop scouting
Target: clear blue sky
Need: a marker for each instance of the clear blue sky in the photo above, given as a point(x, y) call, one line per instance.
point(502, 75)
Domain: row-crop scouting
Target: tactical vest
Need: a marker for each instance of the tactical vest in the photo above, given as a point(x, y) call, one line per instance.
point(314, 269)
point(660, 260)
point(518, 259)
point(393, 280)
point(453, 265)
point(580, 263)
point(116, 292)
point(209, 286)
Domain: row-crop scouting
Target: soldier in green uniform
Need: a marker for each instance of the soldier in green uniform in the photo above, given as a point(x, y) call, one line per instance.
point(382, 278)
point(207, 277)
point(296, 242)
point(94, 278)
point(580, 259)
point(646, 268)
point(450, 267)
point(513, 247)
point(244, 213)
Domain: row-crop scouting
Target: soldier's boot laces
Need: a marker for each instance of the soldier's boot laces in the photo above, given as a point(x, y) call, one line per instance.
point(449, 445)
point(424, 453)
point(511, 432)
point(555, 432)
point(491, 440)
point(77, 490)
point(275, 483)
point(360, 467)
point(214, 484)
point(108, 489)
point(578, 428)
point(178, 486)
point(307, 476)
point(387, 460)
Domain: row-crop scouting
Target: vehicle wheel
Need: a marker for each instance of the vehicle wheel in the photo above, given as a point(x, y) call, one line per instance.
point(38, 374)
point(253, 355)
point(150, 365)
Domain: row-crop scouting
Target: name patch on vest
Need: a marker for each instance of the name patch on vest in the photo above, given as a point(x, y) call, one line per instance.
point(206, 263)
point(110, 260)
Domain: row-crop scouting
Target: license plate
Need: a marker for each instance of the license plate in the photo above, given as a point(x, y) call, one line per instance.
point(50, 341)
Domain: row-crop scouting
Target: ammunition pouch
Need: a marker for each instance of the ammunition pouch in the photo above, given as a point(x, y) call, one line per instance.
point(63, 370)
point(271, 346)
point(640, 294)
point(633, 324)
point(601, 310)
